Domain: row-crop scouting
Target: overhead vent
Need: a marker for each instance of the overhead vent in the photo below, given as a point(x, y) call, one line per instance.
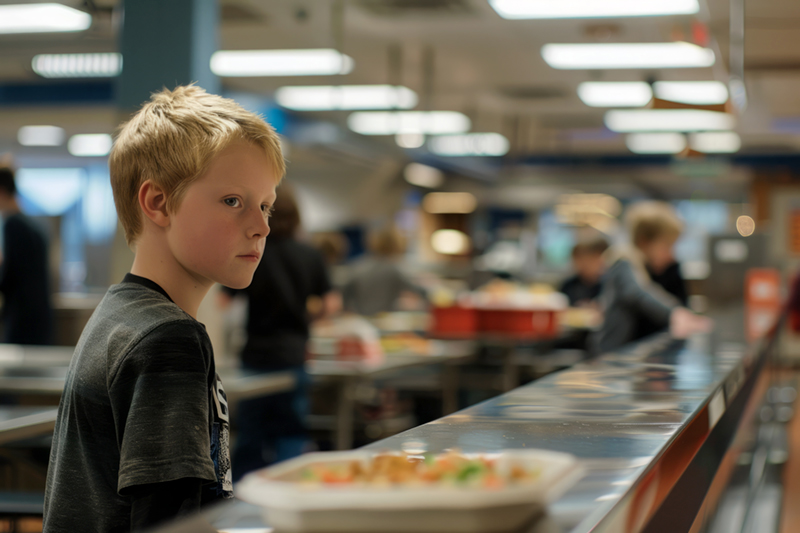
point(532, 93)
point(230, 12)
point(416, 8)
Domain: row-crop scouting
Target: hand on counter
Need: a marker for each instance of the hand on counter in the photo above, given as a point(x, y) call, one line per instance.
point(684, 323)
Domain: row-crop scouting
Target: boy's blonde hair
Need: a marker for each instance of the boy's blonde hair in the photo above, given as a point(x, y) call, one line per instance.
point(651, 221)
point(172, 139)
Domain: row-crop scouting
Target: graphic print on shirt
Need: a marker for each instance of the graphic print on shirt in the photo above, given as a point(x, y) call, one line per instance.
point(220, 440)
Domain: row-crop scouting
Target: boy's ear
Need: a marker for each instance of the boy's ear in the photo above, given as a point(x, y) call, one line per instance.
point(153, 202)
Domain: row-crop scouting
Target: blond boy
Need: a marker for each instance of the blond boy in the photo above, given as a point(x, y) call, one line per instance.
point(142, 429)
point(629, 296)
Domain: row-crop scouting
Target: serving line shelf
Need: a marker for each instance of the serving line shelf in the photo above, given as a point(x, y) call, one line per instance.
point(651, 424)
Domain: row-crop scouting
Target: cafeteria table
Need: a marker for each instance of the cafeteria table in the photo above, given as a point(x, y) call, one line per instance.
point(346, 375)
point(20, 423)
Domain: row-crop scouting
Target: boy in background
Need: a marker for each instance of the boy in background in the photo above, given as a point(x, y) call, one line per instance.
point(629, 294)
point(142, 430)
point(589, 264)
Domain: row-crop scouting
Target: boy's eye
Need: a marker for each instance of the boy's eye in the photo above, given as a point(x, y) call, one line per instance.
point(231, 202)
point(267, 210)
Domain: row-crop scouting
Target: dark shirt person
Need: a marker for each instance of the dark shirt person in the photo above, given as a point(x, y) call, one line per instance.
point(24, 279)
point(583, 287)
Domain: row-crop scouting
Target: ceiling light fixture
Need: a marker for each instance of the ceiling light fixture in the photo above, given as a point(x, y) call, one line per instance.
point(482, 144)
point(348, 97)
point(90, 145)
point(677, 120)
point(409, 140)
point(40, 136)
point(42, 18)
point(715, 142)
point(548, 9)
point(312, 62)
point(399, 122)
point(77, 65)
point(656, 143)
point(450, 242)
point(615, 94)
point(423, 176)
point(692, 92)
point(627, 56)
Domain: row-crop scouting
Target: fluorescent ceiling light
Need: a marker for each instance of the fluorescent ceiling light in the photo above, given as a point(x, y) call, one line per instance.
point(615, 94)
point(396, 122)
point(423, 176)
point(40, 136)
point(40, 18)
point(656, 143)
point(313, 62)
point(450, 242)
point(77, 65)
point(449, 202)
point(409, 140)
point(550, 9)
point(627, 55)
point(492, 144)
point(692, 92)
point(328, 97)
point(92, 144)
point(625, 121)
point(716, 142)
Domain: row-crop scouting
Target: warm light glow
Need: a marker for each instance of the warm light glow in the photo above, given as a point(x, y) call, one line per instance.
point(652, 120)
point(483, 144)
point(41, 18)
point(40, 136)
point(627, 55)
point(615, 94)
point(716, 142)
point(656, 143)
point(449, 202)
point(423, 175)
point(347, 97)
point(410, 140)
point(420, 122)
point(450, 242)
point(88, 145)
point(551, 9)
point(77, 65)
point(692, 92)
point(745, 225)
point(313, 62)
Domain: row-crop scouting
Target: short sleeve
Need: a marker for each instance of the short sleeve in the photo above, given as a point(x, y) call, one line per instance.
point(160, 399)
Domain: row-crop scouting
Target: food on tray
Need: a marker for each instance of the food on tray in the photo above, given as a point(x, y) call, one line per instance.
point(451, 469)
point(406, 342)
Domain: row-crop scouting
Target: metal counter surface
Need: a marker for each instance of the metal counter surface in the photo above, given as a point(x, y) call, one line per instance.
point(617, 414)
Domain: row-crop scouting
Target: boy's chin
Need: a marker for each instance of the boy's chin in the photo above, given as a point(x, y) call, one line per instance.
point(237, 283)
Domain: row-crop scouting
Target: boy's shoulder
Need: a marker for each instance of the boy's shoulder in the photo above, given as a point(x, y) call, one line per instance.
point(133, 318)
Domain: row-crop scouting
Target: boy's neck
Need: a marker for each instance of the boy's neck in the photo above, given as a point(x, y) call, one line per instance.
point(155, 262)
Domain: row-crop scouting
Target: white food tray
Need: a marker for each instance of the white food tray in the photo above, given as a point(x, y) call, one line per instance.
point(291, 506)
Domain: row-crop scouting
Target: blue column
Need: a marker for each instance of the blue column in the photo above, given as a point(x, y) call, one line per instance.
point(165, 43)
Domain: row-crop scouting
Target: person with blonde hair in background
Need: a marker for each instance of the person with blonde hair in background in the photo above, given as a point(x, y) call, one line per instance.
point(377, 283)
point(630, 295)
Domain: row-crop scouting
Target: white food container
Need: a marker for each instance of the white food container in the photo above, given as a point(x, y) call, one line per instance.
point(292, 506)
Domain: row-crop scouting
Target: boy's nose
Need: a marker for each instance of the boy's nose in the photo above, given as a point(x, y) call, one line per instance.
point(260, 227)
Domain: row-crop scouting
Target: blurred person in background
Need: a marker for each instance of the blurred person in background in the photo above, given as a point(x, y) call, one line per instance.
point(589, 265)
point(377, 284)
point(289, 289)
point(24, 278)
point(629, 293)
point(655, 230)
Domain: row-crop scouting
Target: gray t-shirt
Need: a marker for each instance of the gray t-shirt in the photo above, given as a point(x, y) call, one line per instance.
point(142, 404)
